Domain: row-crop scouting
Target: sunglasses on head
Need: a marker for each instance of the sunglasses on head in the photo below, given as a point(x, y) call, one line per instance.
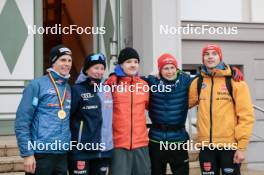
point(98, 56)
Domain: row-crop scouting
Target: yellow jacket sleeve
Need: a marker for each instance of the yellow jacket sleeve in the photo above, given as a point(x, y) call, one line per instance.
point(193, 95)
point(245, 113)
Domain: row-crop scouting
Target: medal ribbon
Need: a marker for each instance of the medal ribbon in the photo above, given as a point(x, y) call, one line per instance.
point(61, 101)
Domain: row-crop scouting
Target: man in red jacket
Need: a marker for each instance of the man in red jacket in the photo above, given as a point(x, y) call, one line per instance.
point(130, 134)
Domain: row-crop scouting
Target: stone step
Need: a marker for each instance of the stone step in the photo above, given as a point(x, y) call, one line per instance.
point(8, 150)
point(11, 164)
point(8, 146)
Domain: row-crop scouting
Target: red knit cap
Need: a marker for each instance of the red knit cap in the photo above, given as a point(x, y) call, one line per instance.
point(212, 47)
point(166, 59)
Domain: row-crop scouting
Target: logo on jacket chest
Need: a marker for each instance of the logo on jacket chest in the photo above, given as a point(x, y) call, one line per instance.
point(203, 86)
point(223, 88)
point(90, 107)
point(68, 95)
point(60, 81)
point(87, 96)
point(51, 91)
point(222, 91)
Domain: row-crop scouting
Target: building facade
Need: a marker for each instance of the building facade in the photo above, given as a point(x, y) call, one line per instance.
point(149, 26)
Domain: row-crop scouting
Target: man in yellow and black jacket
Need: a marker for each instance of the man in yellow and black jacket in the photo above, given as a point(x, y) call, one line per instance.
point(224, 121)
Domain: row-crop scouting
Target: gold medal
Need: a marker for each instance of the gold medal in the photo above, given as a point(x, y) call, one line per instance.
point(61, 114)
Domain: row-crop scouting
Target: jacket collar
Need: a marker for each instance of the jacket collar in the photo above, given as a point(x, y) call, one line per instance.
point(220, 70)
point(120, 73)
point(171, 82)
point(58, 78)
point(84, 78)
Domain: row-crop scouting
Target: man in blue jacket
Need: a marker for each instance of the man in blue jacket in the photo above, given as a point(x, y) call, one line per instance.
point(42, 120)
point(168, 107)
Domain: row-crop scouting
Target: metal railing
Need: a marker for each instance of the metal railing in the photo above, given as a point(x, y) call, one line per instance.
point(258, 108)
